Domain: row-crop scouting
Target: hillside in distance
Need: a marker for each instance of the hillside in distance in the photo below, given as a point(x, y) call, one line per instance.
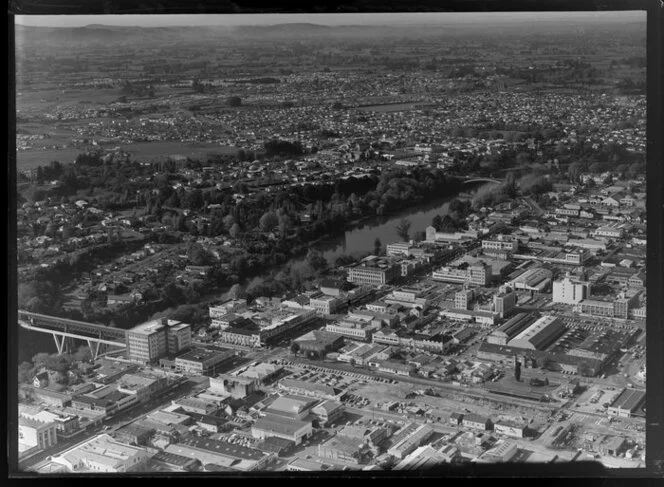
point(97, 35)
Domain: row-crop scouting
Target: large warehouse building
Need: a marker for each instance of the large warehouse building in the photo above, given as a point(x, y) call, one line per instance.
point(540, 334)
point(511, 328)
point(628, 403)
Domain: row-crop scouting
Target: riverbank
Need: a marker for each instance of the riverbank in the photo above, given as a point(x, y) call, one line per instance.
point(355, 238)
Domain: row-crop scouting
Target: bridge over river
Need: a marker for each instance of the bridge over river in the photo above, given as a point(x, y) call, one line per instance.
point(102, 340)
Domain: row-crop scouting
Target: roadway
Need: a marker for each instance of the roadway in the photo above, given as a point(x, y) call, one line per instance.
point(475, 393)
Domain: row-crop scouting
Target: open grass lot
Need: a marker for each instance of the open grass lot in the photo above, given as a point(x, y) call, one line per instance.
point(37, 102)
point(154, 151)
point(142, 151)
point(31, 159)
point(392, 107)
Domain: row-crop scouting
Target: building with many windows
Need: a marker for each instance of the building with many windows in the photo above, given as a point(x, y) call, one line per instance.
point(326, 305)
point(504, 301)
point(374, 272)
point(228, 306)
point(478, 274)
point(398, 248)
point(35, 433)
point(153, 340)
point(500, 245)
point(463, 299)
point(619, 308)
point(357, 327)
point(202, 362)
point(570, 291)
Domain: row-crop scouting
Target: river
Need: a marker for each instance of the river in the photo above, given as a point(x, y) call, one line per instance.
point(361, 240)
point(354, 242)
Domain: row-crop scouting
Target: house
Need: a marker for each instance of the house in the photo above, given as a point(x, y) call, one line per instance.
point(615, 446)
point(41, 379)
point(510, 429)
point(327, 412)
point(397, 368)
point(456, 419)
point(477, 422)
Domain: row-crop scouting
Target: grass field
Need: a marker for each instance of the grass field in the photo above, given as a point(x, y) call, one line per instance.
point(142, 151)
point(392, 107)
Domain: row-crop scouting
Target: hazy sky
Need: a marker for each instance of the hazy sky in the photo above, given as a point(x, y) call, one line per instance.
point(324, 19)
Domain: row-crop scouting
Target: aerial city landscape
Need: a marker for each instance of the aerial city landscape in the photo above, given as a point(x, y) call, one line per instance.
point(331, 246)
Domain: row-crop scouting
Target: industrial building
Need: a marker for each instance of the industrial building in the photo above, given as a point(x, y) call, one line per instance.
point(540, 334)
point(221, 453)
point(627, 403)
point(281, 427)
point(409, 438)
point(511, 328)
point(536, 279)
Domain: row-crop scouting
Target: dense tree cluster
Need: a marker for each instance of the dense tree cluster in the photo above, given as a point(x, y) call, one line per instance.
point(283, 148)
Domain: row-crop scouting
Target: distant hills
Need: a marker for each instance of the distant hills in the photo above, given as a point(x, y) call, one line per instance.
point(97, 34)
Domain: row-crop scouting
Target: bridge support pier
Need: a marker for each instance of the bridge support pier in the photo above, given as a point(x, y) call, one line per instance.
point(94, 349)
point(61, 344)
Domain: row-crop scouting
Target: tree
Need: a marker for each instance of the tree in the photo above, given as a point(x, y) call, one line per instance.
point(378, 246)
point(236, 292)
point(574, 172)
point(83, 354)
point(228, 221)
point(437, 222)
point(268, 221)
point(198, 255)
point(595, 168)
point(420, 236)
point(234, 231)
point(25, 372)
point(403, 229)
point(510, 185)
point(234, 101)
point(316, 260)
point(295, 348)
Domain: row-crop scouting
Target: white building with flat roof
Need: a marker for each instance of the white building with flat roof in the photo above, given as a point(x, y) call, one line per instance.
point(102, 454)
point(35, 433)
point(570, 291)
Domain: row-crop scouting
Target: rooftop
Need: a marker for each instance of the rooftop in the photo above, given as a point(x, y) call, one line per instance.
point(629, 399)
point(278, 424)
point(202, 355)
point(224, 448)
